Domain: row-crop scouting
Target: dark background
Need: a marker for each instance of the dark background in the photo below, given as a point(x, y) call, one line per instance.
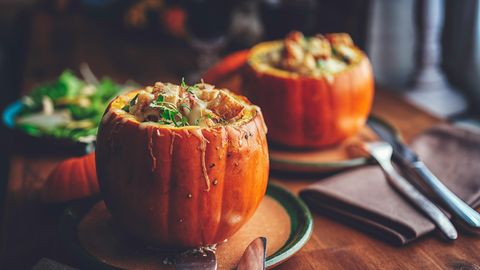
point(278, 18)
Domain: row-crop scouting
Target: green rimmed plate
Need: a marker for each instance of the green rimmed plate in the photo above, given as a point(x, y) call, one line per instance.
point(336, 158)
point(301, 224)
point(282, 217)
point(331, 159)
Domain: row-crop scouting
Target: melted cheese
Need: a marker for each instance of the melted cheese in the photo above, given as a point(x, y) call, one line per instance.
point(314, 56)
point(201, 106)
point(197, 113)
point(333, 65)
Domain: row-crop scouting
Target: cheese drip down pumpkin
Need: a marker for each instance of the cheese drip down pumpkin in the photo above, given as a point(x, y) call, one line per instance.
point(182, 166)
point(314, 92)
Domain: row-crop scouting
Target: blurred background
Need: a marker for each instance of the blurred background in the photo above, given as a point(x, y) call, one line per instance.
point(426, 50)
point(402, 38)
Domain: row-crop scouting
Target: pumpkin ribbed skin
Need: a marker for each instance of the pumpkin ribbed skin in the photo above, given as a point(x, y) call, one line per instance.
point(153, 182)
point(73, 178)
point(307, 111)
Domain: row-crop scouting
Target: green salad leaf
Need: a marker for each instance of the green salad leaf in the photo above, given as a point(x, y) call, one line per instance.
point(69, 95)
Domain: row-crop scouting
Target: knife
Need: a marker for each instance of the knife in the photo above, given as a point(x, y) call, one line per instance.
point(382, 153)
point(406, 158)
point(254, 256)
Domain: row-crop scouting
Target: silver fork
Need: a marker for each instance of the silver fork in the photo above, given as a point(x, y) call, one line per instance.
point(382, 153)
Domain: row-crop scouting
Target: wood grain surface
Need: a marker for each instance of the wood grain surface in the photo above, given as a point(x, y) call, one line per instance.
point(29, 229)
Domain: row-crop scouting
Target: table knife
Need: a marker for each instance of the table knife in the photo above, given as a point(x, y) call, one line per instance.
point(254, 256)
point(408, 160)
point(382, 153)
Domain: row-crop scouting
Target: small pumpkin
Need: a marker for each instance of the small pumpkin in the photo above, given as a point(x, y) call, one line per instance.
point(309, 111)
point(180, 187)
point(226, 67)
point(74, 178)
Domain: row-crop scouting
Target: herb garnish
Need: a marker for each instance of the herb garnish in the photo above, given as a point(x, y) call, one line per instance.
point(159, 99)
point(321, 64)
point(343, 57)
point(169, 114)
point(134, 100)
point(190, 89)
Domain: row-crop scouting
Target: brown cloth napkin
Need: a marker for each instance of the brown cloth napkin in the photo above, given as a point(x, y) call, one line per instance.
point(364, 199)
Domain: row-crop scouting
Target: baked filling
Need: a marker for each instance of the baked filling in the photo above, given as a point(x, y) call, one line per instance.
point(314, 56)
point(182, 105)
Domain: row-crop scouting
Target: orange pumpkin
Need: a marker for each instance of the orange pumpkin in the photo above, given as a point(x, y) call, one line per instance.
point(180, 186)
point(74, 178)
point(226, 67)
point(309, 111)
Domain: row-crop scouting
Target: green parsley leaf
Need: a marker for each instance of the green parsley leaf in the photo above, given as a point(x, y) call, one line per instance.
point(159, 99)
point(134, 100)
point(183, 84)
point(172, 115)
point(166, 114)
point(184, 121)
point(321, 64)
point(126, 108)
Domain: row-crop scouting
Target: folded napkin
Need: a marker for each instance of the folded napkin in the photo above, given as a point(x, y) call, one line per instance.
point(364, 199)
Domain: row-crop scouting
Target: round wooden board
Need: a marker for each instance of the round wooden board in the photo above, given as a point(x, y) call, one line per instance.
point(93, 238)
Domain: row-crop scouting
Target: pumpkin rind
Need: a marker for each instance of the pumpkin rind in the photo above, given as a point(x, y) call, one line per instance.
point(72, 179)
point(225, 67)
point(153, 182)
point(308, 111)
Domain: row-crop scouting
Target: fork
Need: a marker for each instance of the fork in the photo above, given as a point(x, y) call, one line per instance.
point(382, 153)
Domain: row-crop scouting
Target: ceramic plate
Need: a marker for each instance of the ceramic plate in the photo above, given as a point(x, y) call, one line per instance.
point(339, 157)
point(89, 235)
point(336, 158)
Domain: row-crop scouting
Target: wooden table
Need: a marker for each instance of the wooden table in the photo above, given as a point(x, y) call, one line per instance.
point(28, 228)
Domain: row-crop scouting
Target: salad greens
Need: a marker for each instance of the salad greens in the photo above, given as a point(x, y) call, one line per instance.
point(67, 108)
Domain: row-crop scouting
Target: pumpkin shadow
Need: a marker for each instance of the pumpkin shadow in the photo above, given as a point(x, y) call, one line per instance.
point(300, 150)
point(309, 176)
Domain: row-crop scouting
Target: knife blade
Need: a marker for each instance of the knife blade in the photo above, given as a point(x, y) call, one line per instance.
point(382, 153)
point(254, 256)
point(408, 160)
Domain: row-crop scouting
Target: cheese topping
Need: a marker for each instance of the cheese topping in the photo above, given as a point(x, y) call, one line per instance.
point(181, 105)
point(314, 56)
